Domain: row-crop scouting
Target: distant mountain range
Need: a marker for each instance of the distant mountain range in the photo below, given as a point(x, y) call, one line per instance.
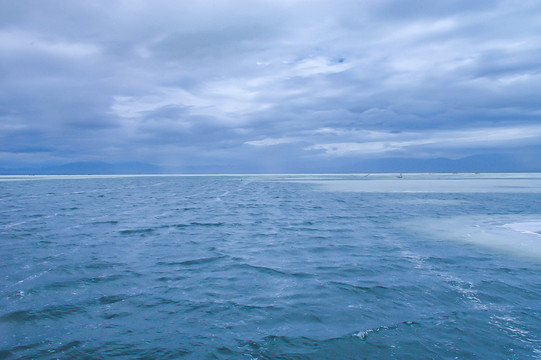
point(476, 163)
point(88, 168)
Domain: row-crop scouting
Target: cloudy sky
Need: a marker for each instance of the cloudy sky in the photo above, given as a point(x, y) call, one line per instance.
point(271, 86)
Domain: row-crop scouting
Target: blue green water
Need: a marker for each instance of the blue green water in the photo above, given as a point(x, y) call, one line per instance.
point(271, 267)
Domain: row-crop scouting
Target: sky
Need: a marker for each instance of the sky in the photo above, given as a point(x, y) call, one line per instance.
point(277, 86)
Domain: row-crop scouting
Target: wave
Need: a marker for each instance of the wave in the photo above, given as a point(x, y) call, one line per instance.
point(48, 312)
point(196, 223)
point(83, 281)
point(273, 271)
point(349, 346)
point(136, 231)
point(376, 289)
point(190, 262)
point(363, 334)
point(191, 224)
point(105, 222)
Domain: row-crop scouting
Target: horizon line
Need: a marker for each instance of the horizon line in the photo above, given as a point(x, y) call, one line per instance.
point(275, 174)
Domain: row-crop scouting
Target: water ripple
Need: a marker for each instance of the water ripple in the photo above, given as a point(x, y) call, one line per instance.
point(265, 267)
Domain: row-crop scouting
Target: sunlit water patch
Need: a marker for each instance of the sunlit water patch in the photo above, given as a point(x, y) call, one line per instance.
point(424, 183)
point(508, 234)
point(271, 267)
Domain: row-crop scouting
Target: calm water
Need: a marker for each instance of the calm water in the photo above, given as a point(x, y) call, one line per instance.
point(271, 267)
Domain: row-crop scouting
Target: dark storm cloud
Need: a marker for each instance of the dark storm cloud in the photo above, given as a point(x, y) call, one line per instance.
point(203, 85)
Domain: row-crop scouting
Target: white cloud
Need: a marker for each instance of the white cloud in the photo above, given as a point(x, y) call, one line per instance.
point(271, 141)
point(225, 102)
point(316, 66)
point(412, 142)
point(230, 100)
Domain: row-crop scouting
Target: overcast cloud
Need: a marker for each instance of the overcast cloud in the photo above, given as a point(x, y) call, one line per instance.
point(269, 86)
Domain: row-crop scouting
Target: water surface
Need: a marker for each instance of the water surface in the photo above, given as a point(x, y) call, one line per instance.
point(271, 267)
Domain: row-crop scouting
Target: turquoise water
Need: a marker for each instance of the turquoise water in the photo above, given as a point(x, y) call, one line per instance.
point(271, 267)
